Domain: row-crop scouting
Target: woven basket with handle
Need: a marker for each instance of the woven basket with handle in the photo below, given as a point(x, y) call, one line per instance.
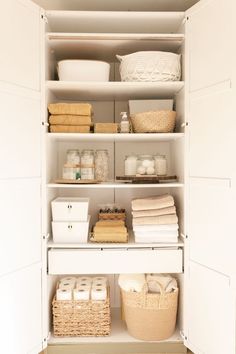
point(154, 122)
point(150, 316)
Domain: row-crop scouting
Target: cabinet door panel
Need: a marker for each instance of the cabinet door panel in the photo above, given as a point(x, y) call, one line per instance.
point(20, 308)
point(209, 31)
point(211, 134)
point(211, 312)
point(20, 44)
point(20, 152)
point(20, 224)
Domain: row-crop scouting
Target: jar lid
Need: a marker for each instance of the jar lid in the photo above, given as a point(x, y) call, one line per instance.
point(145, 157)
point(73, 150)
point(160, 156)
point(87, 151)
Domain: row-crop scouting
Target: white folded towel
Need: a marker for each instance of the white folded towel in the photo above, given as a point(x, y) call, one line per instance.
point(131, 282)
point(167, 234)
point(147, 228)
point(160, 239)
point(166, 281)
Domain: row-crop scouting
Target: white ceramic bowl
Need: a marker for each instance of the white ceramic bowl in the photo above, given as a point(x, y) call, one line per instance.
point(83, 70)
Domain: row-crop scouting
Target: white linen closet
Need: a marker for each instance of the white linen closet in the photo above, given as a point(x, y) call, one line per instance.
point(200, 152)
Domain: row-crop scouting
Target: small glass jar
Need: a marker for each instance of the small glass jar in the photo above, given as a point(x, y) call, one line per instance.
point(71, 172)
point(130, 165)
point(87, 164)
point(73, 157)
point(146, 165)
point(101, 165)
point(161, 165)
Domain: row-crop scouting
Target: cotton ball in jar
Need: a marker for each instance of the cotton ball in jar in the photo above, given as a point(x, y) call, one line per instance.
point(141, 170)
point(147, 163)
point(150, 170)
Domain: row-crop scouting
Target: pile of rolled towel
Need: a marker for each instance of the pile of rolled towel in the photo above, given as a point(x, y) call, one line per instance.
point(70, 117)
point(156, 283)
point(155, 220)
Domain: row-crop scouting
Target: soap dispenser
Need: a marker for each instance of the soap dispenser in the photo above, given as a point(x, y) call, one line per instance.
point(124, 124)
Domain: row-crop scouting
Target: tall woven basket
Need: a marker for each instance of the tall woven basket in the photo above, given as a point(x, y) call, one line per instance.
point(81, 318)
point(149, 316)
point(154, 122)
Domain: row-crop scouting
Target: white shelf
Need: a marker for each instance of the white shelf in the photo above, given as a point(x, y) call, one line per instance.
point(119, 334)
point(73, 90)
point(117, 185)
point(154, 137)
point(102, 46)
point(130, 245)
point(115, 21)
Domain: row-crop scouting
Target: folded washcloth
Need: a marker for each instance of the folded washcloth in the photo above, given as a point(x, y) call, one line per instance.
point(156, 234)
point(150, 228)
point(131, 282)
point(110, 237)
point(66, 119)
point(157, 281)
point(82, 109)
point(158, 202)
point(156, 220)
point(154, 212)
point(69, 128)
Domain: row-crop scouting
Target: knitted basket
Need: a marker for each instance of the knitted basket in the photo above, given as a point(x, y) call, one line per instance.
point(154, 122)
point(150, 66)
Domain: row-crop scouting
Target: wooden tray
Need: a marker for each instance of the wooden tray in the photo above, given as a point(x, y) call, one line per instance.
point(75, 181)
point(147, 179)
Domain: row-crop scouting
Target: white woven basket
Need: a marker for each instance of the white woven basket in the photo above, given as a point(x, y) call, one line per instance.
point(150, 66)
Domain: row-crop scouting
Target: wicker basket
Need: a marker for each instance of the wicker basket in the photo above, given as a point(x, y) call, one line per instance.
point(154, 122)
point(112, 216)
point(81, 318)
point(150, 316)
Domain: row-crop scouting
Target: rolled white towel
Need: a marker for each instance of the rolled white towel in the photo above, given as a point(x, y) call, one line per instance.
point(131, 282)
point(167, 282)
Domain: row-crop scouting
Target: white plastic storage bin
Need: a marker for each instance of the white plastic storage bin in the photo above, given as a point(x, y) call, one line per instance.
point(83, 70)
point(139, 106)
point(70, 209)
point(70, 232)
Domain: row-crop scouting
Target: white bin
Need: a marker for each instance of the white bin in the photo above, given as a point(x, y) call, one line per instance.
point(70, 232)
point(70, 209)
point(83, 70)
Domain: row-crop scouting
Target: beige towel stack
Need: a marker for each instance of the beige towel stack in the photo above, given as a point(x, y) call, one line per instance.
point(110, 231)
point(70, 117)
point(155, 219)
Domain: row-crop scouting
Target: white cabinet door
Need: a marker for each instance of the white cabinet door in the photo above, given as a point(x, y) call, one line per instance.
point(21, 29)
point(209, 258)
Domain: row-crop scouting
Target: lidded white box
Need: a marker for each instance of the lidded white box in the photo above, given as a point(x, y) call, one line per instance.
point(70, 209)
point(70, 232)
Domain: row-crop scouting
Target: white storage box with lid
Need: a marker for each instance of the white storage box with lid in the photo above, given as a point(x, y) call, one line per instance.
point(83, 70)
point(139, 106)
point(70, 232)
point(70, 209)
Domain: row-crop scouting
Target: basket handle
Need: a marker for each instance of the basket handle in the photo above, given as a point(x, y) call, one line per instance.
point(163, 303)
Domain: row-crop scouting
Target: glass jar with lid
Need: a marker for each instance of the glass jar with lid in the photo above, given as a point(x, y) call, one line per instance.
point(130, 165)
point(146, 165)
point(71, 172)
point(87, 164)
point(73, 157)
point(161, 165)
point(101, 165)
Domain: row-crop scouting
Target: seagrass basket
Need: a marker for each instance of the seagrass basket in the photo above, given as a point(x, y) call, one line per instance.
point(75, 318)
point(150, 316)
point(154, 122)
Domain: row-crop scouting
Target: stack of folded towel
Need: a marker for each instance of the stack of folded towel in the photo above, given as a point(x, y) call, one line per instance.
point(155, 219)
point(70, 117)
point(110, 231)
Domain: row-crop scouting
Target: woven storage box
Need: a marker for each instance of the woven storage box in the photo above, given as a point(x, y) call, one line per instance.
point(150, 317)
point(150, 66)
point(112, 216)
point(81, 318)
point(154, 122)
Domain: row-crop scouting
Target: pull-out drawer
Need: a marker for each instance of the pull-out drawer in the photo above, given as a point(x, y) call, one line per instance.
point(112, 261)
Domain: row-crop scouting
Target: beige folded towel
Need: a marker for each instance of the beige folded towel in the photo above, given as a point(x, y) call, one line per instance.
point(156, 220)
point(106, 128)
point(158, 281)
point(110, 237)
point(69, 128)
point(106, 229)
point(110, 223)
point(82, 109)
point(66, 119)
point(158, 202)
point(154, 212)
